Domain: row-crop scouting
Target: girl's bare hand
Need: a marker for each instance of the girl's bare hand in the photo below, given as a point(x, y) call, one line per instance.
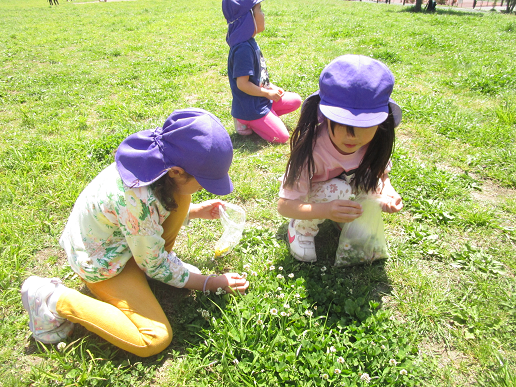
point(391, 204)
point(206, 210)
point(231, 283)
point(344, 211)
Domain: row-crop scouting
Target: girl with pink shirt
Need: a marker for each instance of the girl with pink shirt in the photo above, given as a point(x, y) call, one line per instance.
point(341, 147)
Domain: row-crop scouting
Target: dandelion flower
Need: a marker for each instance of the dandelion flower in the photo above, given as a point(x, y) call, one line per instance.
point(61, 346)
point(341, 360)
point(403, 372)
point(309, 313)
point(365, 378)
point(280, 276)
point(274, 311)
point(325, 376)
point(337, 371)
point(392, 362)
point(291, 275)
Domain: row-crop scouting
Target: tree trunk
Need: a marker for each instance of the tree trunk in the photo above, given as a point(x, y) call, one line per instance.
point(417, 7)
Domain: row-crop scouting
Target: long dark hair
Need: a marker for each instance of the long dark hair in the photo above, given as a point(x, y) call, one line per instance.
point(164, 189)
point(302, 143)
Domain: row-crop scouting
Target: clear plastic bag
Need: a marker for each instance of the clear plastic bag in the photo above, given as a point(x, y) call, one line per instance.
point(233, 220)
point(363, 240)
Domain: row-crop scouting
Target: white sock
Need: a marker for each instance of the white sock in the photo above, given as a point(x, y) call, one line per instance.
point(54, 297)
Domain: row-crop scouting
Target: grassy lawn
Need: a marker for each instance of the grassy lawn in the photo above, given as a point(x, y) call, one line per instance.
point(75, 79)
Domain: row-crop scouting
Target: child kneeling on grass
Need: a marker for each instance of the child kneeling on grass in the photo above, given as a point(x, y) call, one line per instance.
point(341, 147)
point(257, 103)
point(122, 229)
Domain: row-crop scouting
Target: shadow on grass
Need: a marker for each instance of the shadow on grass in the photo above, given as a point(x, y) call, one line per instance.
point(440, 11)
point(343, 294)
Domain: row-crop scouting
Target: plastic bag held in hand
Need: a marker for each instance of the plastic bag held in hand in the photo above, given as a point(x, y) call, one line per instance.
point(232, 218)
point(363, 240)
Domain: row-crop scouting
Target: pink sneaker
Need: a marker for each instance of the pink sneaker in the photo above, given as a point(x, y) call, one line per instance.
point(46, 325)
point(242, 129)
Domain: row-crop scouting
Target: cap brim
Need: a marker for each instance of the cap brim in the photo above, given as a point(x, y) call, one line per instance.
point(222, 186)
point(355, 117)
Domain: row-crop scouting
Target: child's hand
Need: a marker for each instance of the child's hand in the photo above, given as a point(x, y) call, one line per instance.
point(230, 282)
point(206, 210)
point(343, 211)
point(390, 203)
point(274, 93)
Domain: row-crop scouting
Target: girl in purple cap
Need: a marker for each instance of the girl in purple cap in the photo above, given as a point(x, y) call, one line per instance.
point(341, 147)
point(257, 103)
point(122, 229)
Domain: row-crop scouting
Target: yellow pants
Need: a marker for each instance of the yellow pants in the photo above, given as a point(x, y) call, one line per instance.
point(125, 311)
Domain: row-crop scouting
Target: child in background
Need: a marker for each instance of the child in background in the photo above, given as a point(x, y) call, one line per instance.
point(341, 146)
point(122, 229)
point(257, 103)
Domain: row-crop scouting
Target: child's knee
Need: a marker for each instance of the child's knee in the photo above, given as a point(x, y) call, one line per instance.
point(160, 341)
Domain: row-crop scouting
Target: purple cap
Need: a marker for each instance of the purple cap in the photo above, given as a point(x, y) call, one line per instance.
point(355, 90)
point(192, 139)
point(240, 20)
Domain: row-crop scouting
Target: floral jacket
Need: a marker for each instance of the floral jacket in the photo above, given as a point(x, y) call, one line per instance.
point(110, 223)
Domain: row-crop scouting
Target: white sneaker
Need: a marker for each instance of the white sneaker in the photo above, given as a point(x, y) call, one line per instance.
point(301, 247)
point(242, 129)
point(46, 325)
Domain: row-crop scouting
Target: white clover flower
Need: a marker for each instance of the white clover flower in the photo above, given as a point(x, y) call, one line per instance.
point(291, 275)
point(341, 360)
point(280, 268)
point(259, 321)
point(309, 313)
point(337, 371)
point(61, 346)
point(286, 306)
point(220, 291)
point(283, 314)
point(280, 276)
point(352, 197)
point(383, 346)
point(346, 246)
point(205, 313)
point(315, 307)
point(254, 273)
point(282, 295)
point(274, 311)
point(392, 362)
point(235, 361)
point(325, 376)
point(247, 266)
point(279, 289)
point(272, 268)
point(244, 274)
point(332, 349)
point(323, 268)
point(297, 295)
point(403, 372)
point(365, 378)
point(316, 324)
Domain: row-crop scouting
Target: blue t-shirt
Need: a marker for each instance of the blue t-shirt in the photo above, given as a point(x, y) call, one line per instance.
point(246, 59)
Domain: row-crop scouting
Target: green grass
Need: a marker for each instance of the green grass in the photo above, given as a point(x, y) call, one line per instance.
point(75, 79)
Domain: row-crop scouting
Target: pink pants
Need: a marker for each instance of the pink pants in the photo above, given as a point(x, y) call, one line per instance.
point(270, 127)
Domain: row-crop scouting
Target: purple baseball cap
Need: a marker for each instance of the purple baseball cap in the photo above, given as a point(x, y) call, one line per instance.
point(192, 139)
point(355, 90)
point(240, 20)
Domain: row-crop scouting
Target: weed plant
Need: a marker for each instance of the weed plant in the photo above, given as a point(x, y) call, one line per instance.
point(75, 79)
